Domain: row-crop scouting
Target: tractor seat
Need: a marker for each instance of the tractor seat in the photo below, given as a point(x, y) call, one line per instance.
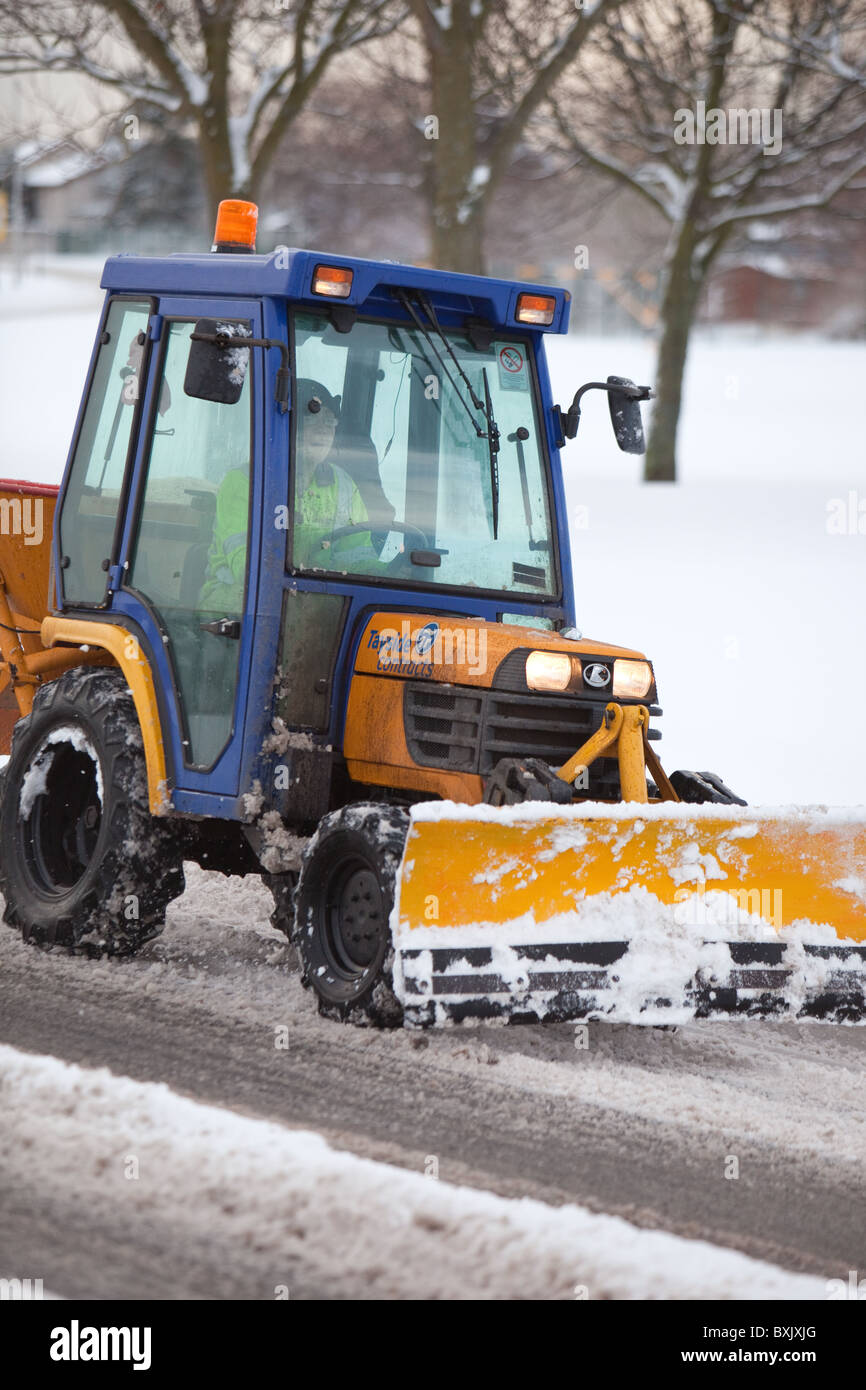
point(194, 572)
point(356, 455)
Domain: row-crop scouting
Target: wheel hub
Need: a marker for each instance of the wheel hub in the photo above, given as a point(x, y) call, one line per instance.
point(356, 922)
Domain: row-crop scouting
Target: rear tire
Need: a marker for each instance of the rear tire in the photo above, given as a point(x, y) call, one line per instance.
point(85, 865)
point(343, 905)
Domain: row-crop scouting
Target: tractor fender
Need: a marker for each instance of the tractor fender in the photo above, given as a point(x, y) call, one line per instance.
point(125, 650)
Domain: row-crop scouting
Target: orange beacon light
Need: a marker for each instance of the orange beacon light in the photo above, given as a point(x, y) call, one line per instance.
point(235, 228)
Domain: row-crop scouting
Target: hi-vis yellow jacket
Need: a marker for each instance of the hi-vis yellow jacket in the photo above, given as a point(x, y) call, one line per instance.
point(330, 501)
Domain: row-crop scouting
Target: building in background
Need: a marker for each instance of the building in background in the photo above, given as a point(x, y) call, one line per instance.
point(335, 189)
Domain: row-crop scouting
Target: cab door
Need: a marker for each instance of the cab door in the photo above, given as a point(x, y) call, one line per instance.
point(187, 576)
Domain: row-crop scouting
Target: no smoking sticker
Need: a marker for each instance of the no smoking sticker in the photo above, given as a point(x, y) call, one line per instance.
point(509, 360)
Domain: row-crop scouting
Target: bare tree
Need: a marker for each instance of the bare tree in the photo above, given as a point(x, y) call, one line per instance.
point(237, 72)
point(490, 64)
point(719, 114)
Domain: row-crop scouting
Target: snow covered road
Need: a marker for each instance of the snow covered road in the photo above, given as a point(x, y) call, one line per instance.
point(245, 1208)
point(640, 1124)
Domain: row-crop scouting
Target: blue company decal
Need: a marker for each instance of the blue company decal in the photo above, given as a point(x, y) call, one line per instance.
point(425, 638)
point(401, 654)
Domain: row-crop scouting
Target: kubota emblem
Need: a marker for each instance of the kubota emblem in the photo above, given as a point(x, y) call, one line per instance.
point(596, 674)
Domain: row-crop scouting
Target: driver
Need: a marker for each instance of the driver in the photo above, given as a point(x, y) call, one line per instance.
point(326, 499)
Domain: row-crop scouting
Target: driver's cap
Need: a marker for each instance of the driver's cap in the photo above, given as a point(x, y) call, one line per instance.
point(312, 395)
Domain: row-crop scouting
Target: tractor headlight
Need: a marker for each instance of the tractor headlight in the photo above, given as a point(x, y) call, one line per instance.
point(632, 680)
point(552, 671)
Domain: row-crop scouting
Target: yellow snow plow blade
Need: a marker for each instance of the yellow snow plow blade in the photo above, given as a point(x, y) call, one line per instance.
point(648, 913)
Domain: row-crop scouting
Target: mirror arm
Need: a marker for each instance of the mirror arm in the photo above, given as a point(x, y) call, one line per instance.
point(570, 419)
point(224, 340)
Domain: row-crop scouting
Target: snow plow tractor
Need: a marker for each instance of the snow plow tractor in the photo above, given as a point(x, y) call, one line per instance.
point(302, 607)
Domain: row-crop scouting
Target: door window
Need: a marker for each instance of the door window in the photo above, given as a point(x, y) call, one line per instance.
point(190, 554)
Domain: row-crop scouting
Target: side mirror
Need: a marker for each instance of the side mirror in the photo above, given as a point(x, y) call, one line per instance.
point(216, 368)
point(625, 413)
point(624, 400)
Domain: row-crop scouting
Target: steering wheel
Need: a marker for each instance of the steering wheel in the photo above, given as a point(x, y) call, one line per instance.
point(400, 561)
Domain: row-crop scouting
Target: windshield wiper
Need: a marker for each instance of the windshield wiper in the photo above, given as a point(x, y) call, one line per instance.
point(404, 299)
point(491, 434)
point(492, 450)
point(444, 339)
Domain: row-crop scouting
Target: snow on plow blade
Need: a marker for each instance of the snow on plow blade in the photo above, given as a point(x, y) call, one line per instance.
point(643, 914)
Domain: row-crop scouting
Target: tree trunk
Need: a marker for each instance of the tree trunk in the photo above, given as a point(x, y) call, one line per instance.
point(682, 287)
point(456, 234)
point(221, 178)
point(216, 160)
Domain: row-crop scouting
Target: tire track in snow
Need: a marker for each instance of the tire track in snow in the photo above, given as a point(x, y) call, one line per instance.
point(638, 1125)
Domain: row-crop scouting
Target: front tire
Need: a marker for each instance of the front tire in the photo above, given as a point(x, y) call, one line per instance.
point(343, 905)
point(84, 865)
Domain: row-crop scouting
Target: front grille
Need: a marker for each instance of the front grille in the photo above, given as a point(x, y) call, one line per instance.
point(443, 725)
point(518, 726)
point(459, 730)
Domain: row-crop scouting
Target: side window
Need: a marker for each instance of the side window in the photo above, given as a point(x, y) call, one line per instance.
point(93, 494)
point(197, 485)
point(190, 555)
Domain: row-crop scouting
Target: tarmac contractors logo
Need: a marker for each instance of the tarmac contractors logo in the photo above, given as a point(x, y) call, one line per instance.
point(417, 654)
point(76, 1343)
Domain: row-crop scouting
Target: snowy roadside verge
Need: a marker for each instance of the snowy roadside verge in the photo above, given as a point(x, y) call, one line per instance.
point(313, 1215)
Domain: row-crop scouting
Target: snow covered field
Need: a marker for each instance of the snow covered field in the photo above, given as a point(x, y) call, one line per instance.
point(750, 608)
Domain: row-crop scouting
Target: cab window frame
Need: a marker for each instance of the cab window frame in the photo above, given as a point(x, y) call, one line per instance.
point(136, 507)
point(391, 581)
point(87, 605)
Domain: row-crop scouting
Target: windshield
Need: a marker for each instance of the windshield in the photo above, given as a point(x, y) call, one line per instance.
point(393, 474)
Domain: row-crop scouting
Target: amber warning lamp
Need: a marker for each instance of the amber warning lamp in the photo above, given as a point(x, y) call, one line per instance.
point(535, 308)
point(235, 226)
point(335, 281)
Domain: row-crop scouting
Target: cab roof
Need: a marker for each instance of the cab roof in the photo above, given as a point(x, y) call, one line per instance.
point(287, 273)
